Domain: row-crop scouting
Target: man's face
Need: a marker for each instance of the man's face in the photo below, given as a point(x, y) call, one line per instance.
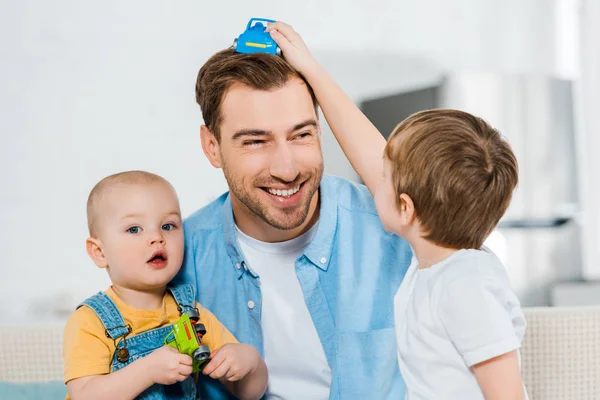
point(270, 151)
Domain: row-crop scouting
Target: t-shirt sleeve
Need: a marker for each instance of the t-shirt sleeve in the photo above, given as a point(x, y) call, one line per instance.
point(216, 333)
point(478, 314)
point(85, 348)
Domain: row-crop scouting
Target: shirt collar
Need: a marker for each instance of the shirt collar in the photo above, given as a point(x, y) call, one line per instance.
point(231, 243)
point(318, 250)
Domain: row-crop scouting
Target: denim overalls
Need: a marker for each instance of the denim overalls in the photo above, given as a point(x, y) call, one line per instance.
point(129, 349)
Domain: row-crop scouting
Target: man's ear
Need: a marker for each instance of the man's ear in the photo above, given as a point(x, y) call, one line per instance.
point(95, 251)
point(210, 146)
point(407, 210)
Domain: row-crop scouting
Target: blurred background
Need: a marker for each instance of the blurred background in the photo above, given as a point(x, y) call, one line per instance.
point(88, 89)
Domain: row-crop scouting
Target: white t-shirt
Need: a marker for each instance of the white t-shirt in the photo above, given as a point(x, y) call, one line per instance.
point(293, 352)
point(451, 316)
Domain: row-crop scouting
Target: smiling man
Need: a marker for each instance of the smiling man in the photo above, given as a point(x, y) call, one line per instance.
point(291, 261)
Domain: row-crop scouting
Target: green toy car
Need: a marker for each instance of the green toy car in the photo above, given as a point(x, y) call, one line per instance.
point(186, 337)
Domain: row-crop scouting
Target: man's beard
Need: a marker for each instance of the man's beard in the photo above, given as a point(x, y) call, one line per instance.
point(279, 218)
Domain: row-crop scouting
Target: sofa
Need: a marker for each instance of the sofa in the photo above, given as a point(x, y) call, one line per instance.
point(560, 357)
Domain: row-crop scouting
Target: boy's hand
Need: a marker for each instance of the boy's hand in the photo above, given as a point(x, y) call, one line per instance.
point(232, 362)
point(167, 366)
point(293, 47)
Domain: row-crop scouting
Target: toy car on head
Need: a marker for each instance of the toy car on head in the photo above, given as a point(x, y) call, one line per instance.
point(255, 40)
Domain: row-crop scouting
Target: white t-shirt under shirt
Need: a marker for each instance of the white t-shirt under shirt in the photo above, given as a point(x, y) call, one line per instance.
point(451, 316)
point(293, 352)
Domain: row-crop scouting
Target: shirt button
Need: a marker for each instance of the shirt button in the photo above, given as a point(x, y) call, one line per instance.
point(251, 304)
point(238, 266)
point(323, 260)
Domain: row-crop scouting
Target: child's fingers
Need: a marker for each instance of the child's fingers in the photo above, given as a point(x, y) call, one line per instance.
point(185, 370)
point(185, 359)
point(214, 353)
point(221, 370)
point(281, 41)
point(278, 25)
point(233, 375)
point(285, 30)
point(216, 359)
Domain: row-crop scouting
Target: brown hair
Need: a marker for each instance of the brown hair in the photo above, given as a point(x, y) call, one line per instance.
point(458, 171)
point(225, 68)
point(127, 177)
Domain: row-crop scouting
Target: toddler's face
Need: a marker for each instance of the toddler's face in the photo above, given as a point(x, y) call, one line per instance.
point(141, 232)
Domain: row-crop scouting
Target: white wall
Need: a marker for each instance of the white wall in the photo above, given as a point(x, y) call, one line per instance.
point(588, 99)
point(92, 88)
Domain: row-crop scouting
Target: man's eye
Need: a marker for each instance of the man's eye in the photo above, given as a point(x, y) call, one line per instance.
point(134, 229)
point(168, 227)
point(253, 142)
point(303, 135)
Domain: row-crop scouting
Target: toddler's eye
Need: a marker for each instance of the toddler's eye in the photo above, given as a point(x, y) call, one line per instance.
point(168, 227)
point(134, 229)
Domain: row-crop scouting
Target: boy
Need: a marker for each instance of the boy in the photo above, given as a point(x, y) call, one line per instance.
point(446, 180)
point(114, 342)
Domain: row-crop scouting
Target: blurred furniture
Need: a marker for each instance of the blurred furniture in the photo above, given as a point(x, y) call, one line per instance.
point(31, 364)
point(560, 354)
point(560, 357)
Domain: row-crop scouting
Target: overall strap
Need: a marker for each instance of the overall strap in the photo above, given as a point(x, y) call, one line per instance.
point(109, 315)
point(184, 296)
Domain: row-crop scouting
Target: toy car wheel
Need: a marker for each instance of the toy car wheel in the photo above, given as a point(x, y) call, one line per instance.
point(235, 42)
point(193, 314)
point(202, 353)
point(200, 328)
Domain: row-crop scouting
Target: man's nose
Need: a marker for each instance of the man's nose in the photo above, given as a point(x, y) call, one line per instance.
point(283, 164)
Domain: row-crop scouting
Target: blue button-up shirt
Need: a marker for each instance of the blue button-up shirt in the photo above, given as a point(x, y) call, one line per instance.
point(349, 274)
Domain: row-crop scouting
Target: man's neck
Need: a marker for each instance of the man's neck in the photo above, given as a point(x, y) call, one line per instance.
point(255, 227)
point(140, 300)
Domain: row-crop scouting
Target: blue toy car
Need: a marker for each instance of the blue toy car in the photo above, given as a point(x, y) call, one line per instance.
point(255, 40)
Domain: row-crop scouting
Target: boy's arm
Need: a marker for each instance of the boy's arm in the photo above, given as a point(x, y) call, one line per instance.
point(482, 317)
point(362, 143)
point(500, 377)
point(165, 366)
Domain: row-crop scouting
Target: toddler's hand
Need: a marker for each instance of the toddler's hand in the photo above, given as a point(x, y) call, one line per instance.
point(167, 366)
point(232, 362)
point(293, 47)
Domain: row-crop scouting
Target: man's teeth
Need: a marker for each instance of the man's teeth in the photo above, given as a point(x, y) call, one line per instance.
point(284, 193)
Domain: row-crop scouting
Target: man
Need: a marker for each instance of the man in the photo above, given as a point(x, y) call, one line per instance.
point(291, 261)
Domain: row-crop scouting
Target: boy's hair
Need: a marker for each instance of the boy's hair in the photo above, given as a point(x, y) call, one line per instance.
point(127, 177)
point(458, 171)
point(225, 68)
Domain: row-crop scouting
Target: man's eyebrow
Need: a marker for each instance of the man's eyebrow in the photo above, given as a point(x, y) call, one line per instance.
point(260, 132)
point(309, 122)
point(249, 132)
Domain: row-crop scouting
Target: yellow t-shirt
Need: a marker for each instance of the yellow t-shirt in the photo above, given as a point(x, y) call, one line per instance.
point(87, 351)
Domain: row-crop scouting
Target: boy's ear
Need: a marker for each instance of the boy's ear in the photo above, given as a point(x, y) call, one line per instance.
point(210, 146)
point(95, 251)
point(407, 209)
